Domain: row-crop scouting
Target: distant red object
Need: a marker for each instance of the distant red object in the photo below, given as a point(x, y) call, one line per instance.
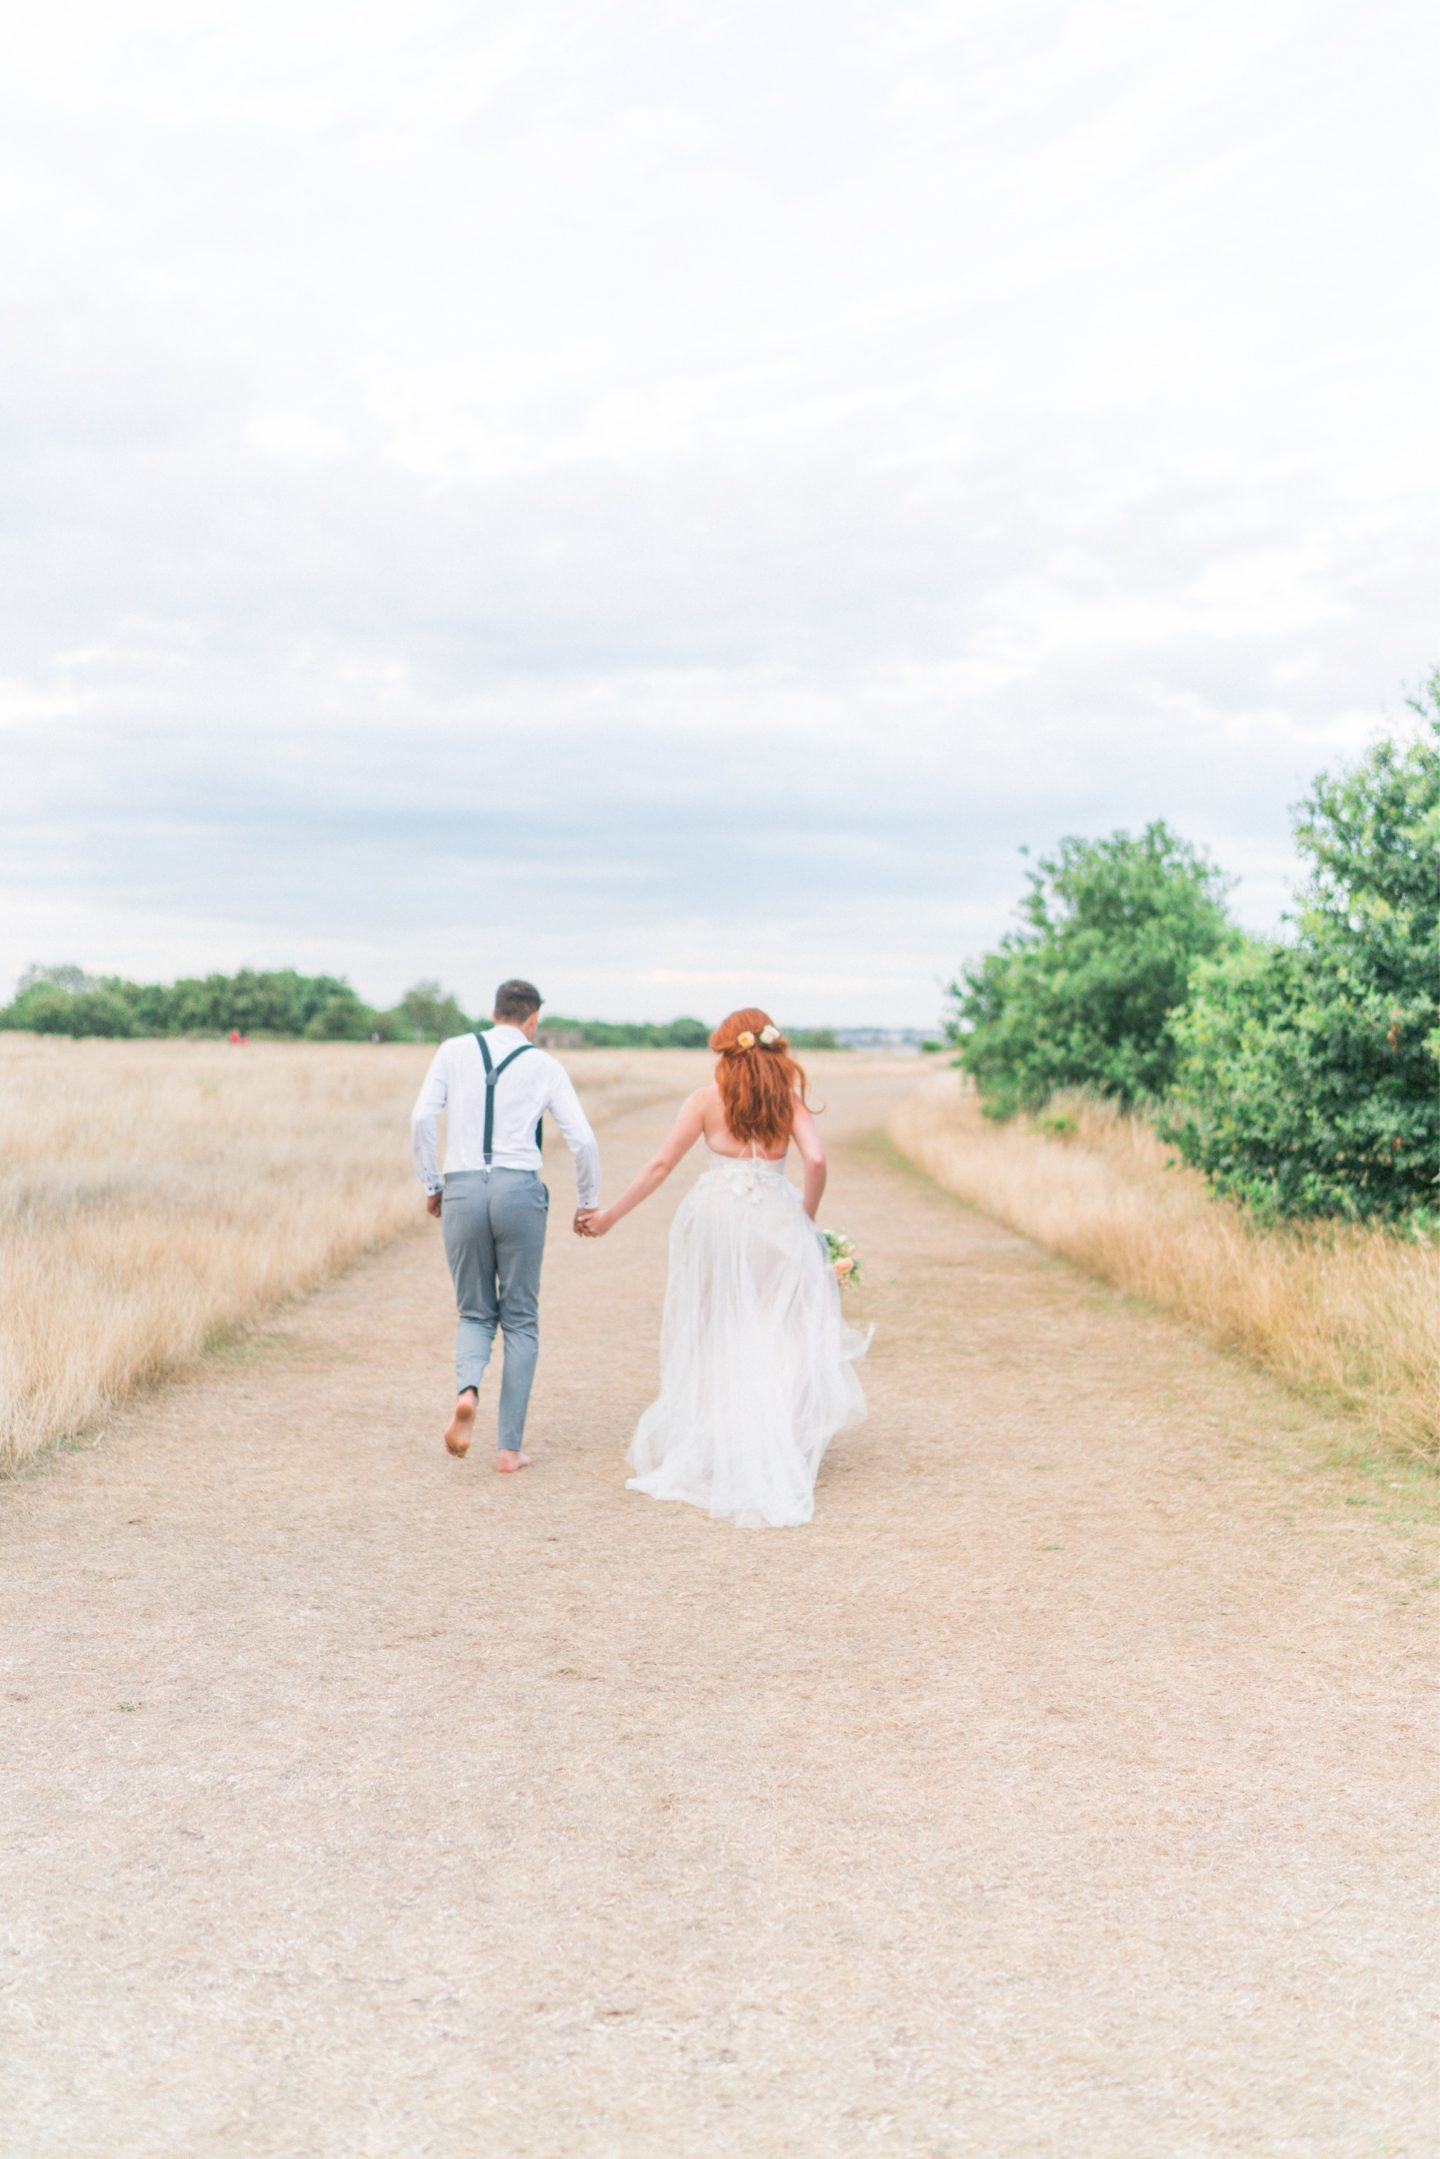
point(234, 1037)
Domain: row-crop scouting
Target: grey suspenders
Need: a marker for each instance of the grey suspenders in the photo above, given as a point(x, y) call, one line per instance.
point(492, 1074)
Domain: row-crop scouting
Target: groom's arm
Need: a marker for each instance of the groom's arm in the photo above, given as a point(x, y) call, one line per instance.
point(424, 1119)
point(564, 1107)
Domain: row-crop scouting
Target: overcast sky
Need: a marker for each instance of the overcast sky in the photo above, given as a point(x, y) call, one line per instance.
point(668, 499)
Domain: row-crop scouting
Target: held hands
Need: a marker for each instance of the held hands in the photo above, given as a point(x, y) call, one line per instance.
point(589, 1221)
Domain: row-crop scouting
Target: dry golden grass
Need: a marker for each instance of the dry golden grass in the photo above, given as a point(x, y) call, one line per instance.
point(154, 1195)
point(157, 1195)
point(1352, 1312)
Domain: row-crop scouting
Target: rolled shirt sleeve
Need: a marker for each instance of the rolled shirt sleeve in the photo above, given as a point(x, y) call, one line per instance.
point(564, 1107)
point(424, 1120)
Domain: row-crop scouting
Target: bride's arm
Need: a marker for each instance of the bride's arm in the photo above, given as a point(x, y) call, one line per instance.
point(686, 1130)
point(812, 1154)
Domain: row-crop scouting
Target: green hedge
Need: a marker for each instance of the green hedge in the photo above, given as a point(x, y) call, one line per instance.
point(314, 1008)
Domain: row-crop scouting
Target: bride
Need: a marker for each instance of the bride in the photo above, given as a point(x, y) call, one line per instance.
point(756, 1361)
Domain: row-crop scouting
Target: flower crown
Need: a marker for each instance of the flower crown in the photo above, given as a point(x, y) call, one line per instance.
point(769, 1036)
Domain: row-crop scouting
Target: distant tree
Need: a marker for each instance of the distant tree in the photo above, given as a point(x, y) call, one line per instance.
point(432, 1012)
point(1081, 993)
point(65, 1000)
point(47, 1009)
point(68, 978)
point(101, 1011)
point(148, 1004)
point(343, 1017)
point(40, 1009)
point(200, 1006)
point(274, 1002)
point(618, 1034)
point(685, 1033)
point(1308, 1078)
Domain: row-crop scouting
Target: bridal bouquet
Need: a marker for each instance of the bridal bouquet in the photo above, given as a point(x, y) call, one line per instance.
point(842, 1257)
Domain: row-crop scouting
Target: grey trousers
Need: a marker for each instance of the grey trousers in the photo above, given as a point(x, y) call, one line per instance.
point(494, 1225)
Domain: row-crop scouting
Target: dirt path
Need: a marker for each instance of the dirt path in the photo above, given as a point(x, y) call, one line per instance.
point(1065, 1789)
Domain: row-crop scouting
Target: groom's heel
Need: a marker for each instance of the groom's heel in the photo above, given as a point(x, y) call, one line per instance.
point(457, 1431)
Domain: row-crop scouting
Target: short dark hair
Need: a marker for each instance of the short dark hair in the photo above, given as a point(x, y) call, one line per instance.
point(516, 1000)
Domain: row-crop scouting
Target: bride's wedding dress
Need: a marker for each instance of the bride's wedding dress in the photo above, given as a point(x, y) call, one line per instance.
point(757, 1362)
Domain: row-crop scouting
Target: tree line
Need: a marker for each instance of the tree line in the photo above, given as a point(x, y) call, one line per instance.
point(1300, 1072)
point(286, 1005)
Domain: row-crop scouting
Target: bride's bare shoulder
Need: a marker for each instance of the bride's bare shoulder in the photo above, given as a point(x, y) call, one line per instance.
point(706, 1106)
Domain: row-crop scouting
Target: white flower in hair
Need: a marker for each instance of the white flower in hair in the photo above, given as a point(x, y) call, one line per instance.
point(770, 1035)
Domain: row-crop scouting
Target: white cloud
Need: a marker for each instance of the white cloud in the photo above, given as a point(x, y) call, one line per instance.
point(642, 445)
point(297, 434)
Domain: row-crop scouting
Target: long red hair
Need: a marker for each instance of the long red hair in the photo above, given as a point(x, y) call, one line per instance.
point(758, 1079)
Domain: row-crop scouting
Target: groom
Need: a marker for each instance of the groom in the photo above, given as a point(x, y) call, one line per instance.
point(496, 1088)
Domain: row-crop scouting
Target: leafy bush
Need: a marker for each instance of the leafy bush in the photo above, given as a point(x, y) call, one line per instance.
point(1080, 994)
point(40, 1009)
point(48, 1008)
point(428, 1013)
point(1308, 1080)
point(342, 1018)
point(101, 1011)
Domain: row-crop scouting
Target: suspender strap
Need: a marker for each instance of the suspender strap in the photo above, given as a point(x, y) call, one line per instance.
point(492, 1074)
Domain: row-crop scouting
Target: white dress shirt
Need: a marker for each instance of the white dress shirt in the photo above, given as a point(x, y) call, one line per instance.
point(535, 1086)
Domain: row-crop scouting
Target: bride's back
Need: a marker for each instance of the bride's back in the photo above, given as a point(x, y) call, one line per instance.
point(722, 1141)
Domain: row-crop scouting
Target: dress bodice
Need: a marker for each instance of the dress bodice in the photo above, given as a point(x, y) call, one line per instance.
point(747, 1161)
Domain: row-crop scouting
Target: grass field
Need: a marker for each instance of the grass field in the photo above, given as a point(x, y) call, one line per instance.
point(1352, 1312)
point(156, 1196)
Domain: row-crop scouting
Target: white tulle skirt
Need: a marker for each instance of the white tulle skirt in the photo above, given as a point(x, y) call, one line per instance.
point(757, 1363)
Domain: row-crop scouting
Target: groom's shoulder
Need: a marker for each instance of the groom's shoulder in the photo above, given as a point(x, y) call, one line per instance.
point(555, 1071)
point(466, 1045)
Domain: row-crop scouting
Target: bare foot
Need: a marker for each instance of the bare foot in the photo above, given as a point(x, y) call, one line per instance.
point(506, 1461)
point(457, 1431)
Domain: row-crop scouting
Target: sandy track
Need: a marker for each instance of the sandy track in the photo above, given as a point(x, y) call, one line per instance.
point(1067, 1788)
